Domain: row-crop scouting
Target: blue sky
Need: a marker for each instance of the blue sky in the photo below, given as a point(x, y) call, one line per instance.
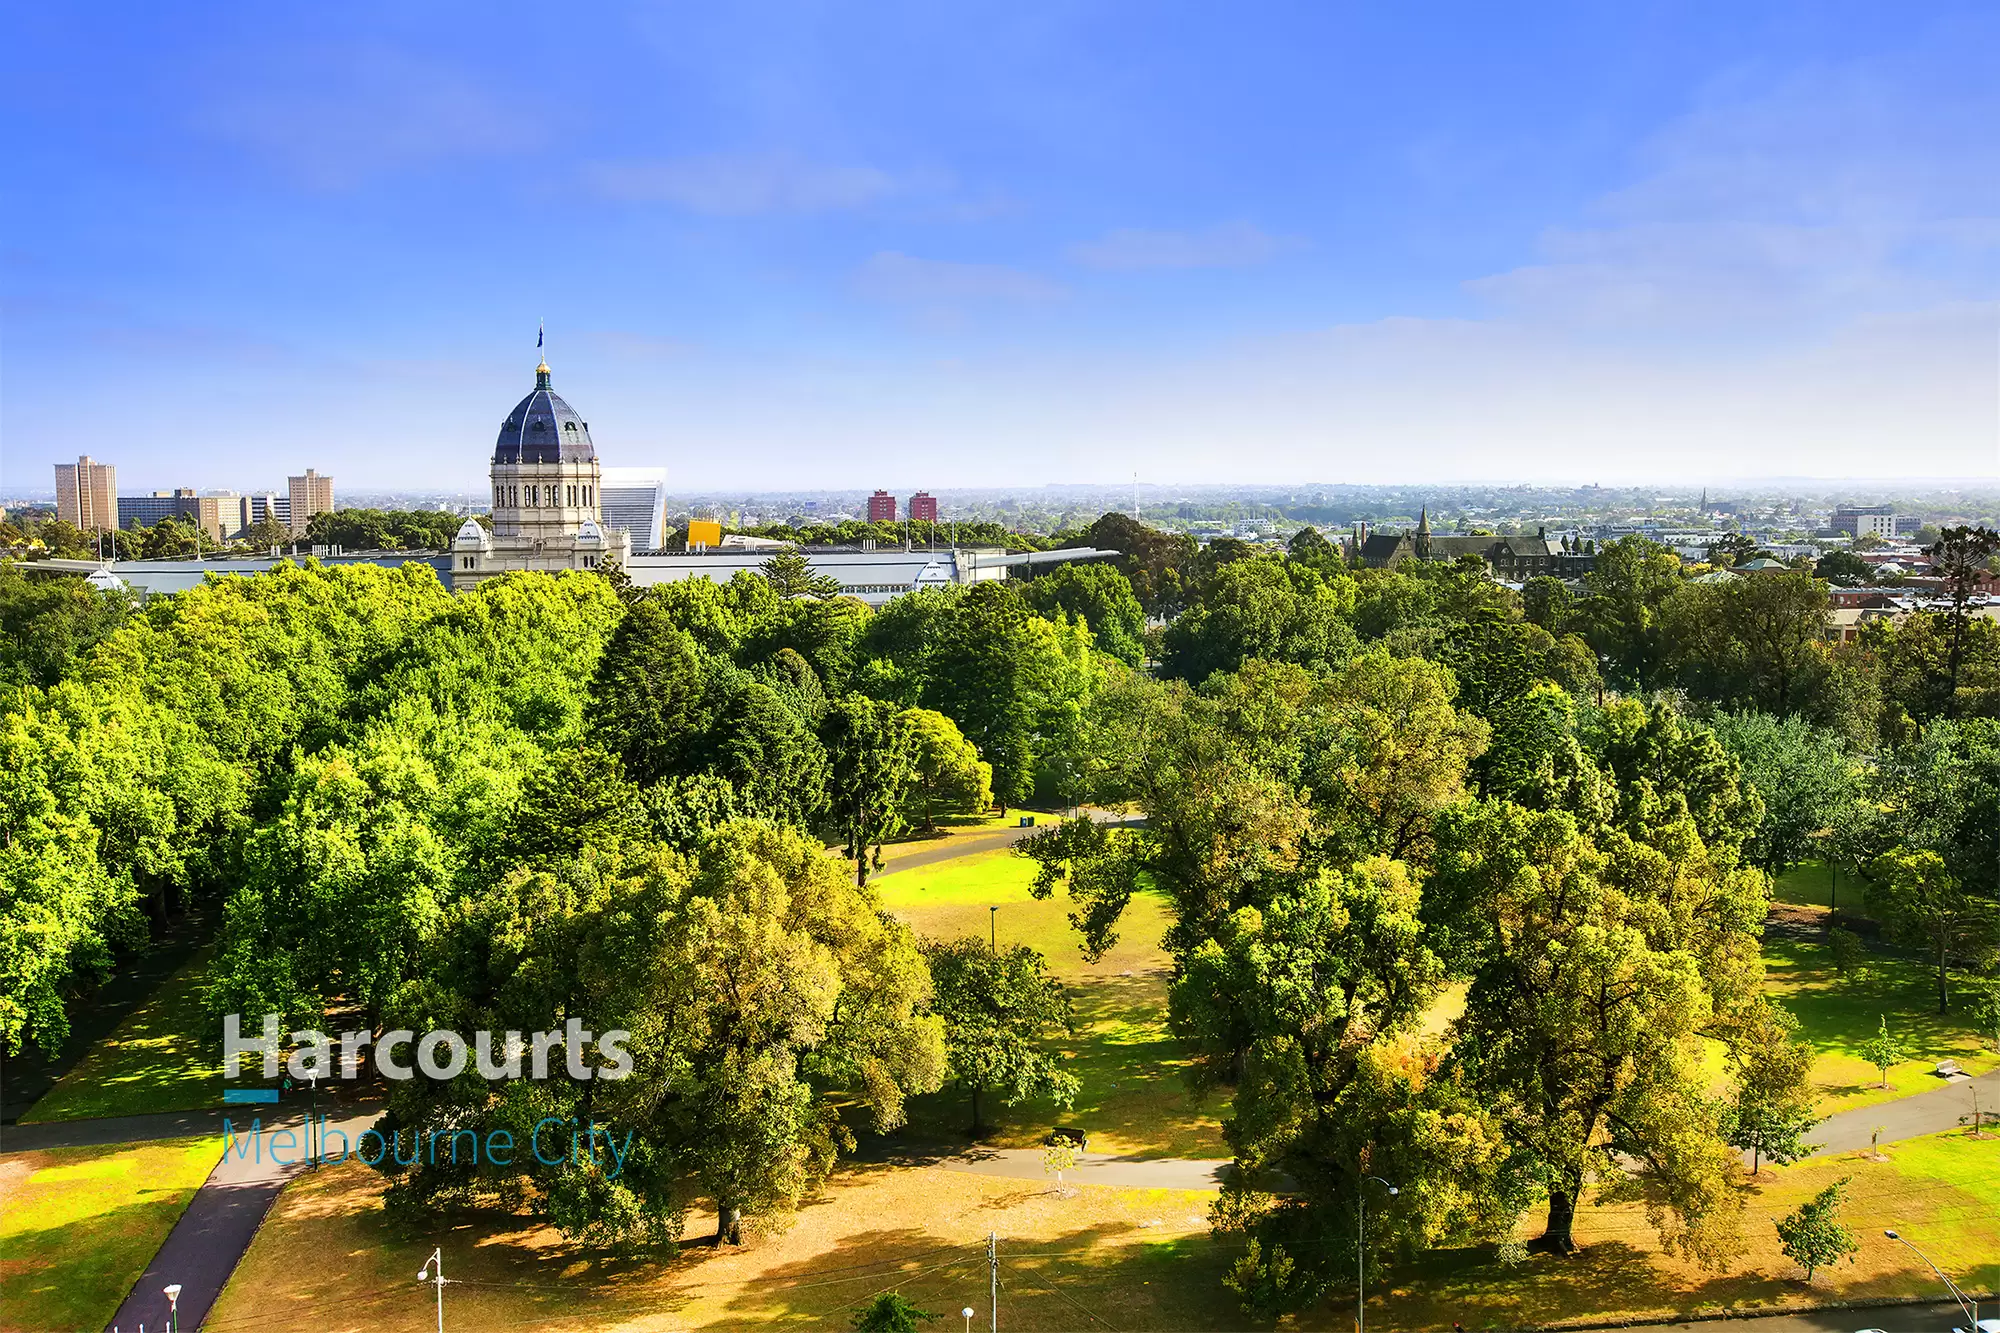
point(945, 245)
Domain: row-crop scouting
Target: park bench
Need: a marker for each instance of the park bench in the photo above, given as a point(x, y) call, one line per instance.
point(1948, 1069)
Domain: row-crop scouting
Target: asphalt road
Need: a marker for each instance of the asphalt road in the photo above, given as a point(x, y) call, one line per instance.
point(1889, 1318)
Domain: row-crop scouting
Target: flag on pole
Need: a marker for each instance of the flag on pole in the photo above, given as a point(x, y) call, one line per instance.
point(538, 337)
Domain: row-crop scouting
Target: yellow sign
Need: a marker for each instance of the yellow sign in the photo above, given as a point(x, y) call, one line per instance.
point(704, 532)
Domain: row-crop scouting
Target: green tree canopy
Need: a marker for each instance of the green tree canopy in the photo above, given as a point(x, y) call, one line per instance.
point(1001, 1011)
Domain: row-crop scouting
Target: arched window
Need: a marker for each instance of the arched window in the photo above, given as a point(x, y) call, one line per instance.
point(541, 425)
point(569, 425)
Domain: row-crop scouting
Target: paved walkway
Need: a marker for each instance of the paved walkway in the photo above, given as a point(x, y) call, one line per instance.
point(128, 1128)
point(1092, 1168)
point(221, 1220)
point(1898, 1318)
point(1908, 1117)
point(972, 844)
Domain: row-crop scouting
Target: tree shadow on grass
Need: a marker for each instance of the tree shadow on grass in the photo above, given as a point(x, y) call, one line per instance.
point(1606, 1278)
point(1091, 1277)
point(75, 1274)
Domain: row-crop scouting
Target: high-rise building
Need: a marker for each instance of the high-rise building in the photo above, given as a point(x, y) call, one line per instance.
point(923, 507)
point(267, 505)
point(310, 494)
point(143, 511)
point(87, 495)
point(635, 501)
point(1865, 520)
point(881, 507)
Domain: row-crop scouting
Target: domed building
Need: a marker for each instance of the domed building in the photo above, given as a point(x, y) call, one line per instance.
point(546, 503)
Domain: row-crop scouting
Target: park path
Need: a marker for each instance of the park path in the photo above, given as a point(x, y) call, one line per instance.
point(972, 844)
point(1908, 1117)
point(220, 1221)
point(1092, 1168)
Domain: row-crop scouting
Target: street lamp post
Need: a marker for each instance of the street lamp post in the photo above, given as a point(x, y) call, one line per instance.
point(423, 1275)
point(173, 1290)
point(312, 1116)
point(1361, 1249)
point(1965, 1302)
point(967, 1312)
point(993, 931)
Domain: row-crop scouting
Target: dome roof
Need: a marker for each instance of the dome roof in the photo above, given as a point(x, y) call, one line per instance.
point(542, 428)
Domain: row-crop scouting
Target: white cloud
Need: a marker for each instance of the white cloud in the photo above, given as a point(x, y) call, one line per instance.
point(742, 186)
point(1835, 193)
point(1230, 245)
point(332, 116)
point(890, 275)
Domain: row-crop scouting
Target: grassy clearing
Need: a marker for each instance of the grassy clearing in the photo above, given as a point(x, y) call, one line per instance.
point(154, 1061)
point(1840, 1017)
point(1816, 884)
point(1138, 1258)
point(1127, 1258)
point(1133, 1100)
point(79, 1225)
point(1937, 1191)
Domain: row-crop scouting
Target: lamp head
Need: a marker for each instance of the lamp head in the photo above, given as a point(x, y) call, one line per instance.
point(967, 1312)
point(1394, 1191)
point(173, 1290)
point(1892, 1235)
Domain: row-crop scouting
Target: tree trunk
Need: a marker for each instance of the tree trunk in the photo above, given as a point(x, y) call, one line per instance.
point(1559, 1236)
point(728, 1224)
point(1944, 973)
point(977, 1128)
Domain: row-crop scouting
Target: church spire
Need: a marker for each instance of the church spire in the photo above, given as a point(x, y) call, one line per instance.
point(1424, 520)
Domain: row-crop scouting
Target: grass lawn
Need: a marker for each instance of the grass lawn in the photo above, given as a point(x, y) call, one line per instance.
point(327, 1260)
point(79, 1225)
point(1816, 884)
point(1839, 1018)
point(1101, 1258)
point(1132, 1100)
point(154, 1061)
point(1939, 1192)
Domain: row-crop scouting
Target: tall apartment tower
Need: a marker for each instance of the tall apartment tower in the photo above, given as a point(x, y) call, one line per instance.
point(310, 494)
point(87, 495)
point(923, 508)
point(881, 507)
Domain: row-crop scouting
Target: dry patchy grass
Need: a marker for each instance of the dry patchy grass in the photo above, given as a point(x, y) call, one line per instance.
point(327, 1259)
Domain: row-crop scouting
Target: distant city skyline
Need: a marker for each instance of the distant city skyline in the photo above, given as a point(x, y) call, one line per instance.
point(997, 247)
